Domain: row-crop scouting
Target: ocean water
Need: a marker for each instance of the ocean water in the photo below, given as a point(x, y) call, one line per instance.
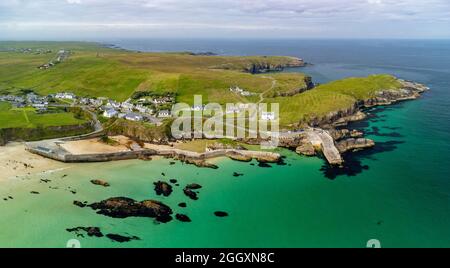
point(398, 192)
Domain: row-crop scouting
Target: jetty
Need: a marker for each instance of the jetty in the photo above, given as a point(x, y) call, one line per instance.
point(320, 138)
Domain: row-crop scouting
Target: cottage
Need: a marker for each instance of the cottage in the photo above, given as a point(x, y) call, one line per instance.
point(66, 96)
point(268, 116)
point(110, 113)
point(134, 117)
point(164, 114)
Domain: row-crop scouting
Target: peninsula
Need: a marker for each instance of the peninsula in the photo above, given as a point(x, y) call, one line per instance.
point(119, 102)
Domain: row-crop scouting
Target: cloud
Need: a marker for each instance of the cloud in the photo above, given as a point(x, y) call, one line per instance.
point(294, 17)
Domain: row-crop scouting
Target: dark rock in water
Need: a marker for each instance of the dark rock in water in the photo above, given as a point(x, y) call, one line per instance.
point(182, 205)
point(121, 238)
point(194, 186)
point(221, 214)
point(191, 194)
point(177, 184)
point(173, 181)
point(45, 180)
point(122, 207)
point(172, 163)
point(34, 192)
point(63, 176)
point(5, 199)
point(10, 197)
point(182, 218)
point(80, 204)
point(252, 164)
point(73, 192)
point(100, 182)
point(90, 231)
point(235, 174)
point(163, 174)
point(163, 188)
point(264, 165)
point(281, 162)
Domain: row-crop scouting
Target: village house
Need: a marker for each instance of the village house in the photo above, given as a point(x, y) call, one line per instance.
point(134, 117)
point(162, 100)
point(268, 116)
point(164, 114)
point(110, 113)
point(66, 96)
point(112, 104)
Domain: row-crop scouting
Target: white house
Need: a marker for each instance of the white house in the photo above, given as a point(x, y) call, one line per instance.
point(110, 113)
point(67, 96)
point(164, 113)
point(268, 116)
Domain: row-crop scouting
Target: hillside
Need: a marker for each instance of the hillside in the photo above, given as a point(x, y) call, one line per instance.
point(93, 70)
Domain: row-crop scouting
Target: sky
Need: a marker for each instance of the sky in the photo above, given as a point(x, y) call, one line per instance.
point(109, 19)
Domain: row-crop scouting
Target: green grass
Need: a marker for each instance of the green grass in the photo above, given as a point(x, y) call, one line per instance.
point(28, 118)
point(331, 97)
point(96, 71)
point(93, 70)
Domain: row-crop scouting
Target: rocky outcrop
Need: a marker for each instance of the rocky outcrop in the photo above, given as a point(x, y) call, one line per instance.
point(264, 67)
point(190, 193)
point(221, 214)
point(121, 238)
point(221, 146)
point(354, 144)
point(182, 218)
point(163, 188)
point(122, 207)
point(193, 186)
point(410, 91)
point(339, 134)
point(100, 183)
point(239, 157)
point(90, 231)
point(306, 149)
point(308, 86)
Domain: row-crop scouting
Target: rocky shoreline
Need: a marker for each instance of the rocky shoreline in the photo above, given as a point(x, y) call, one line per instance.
point(334, 124)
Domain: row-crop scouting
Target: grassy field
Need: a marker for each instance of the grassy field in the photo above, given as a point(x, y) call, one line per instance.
point(331, 97)
point(28, 118)
point(92, 70)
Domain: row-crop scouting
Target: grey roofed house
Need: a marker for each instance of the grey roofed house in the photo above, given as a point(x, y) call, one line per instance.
point(134, 117)
point(110, 113)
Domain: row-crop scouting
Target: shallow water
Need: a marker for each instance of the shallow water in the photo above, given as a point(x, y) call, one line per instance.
point(398, 193)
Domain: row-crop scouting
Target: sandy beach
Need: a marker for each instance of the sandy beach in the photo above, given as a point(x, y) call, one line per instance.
point(15, 161)
point(94, 146)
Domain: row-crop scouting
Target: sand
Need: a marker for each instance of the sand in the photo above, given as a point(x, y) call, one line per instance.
point(16, 162)
point(94, 146)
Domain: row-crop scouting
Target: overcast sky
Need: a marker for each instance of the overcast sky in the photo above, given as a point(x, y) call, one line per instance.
point(102, 19)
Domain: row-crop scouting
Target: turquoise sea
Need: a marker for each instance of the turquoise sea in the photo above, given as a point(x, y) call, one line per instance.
point(398, 192)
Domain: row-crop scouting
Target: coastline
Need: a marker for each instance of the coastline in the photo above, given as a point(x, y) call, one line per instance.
point(16, 162)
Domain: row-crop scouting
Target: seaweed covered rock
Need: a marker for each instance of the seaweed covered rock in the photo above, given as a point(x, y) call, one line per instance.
point(122, 207)
point(163, 188)
point(182, 218)
point(100, 183)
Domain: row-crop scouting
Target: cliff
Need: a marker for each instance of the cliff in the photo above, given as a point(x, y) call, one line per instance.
point(264, 67)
